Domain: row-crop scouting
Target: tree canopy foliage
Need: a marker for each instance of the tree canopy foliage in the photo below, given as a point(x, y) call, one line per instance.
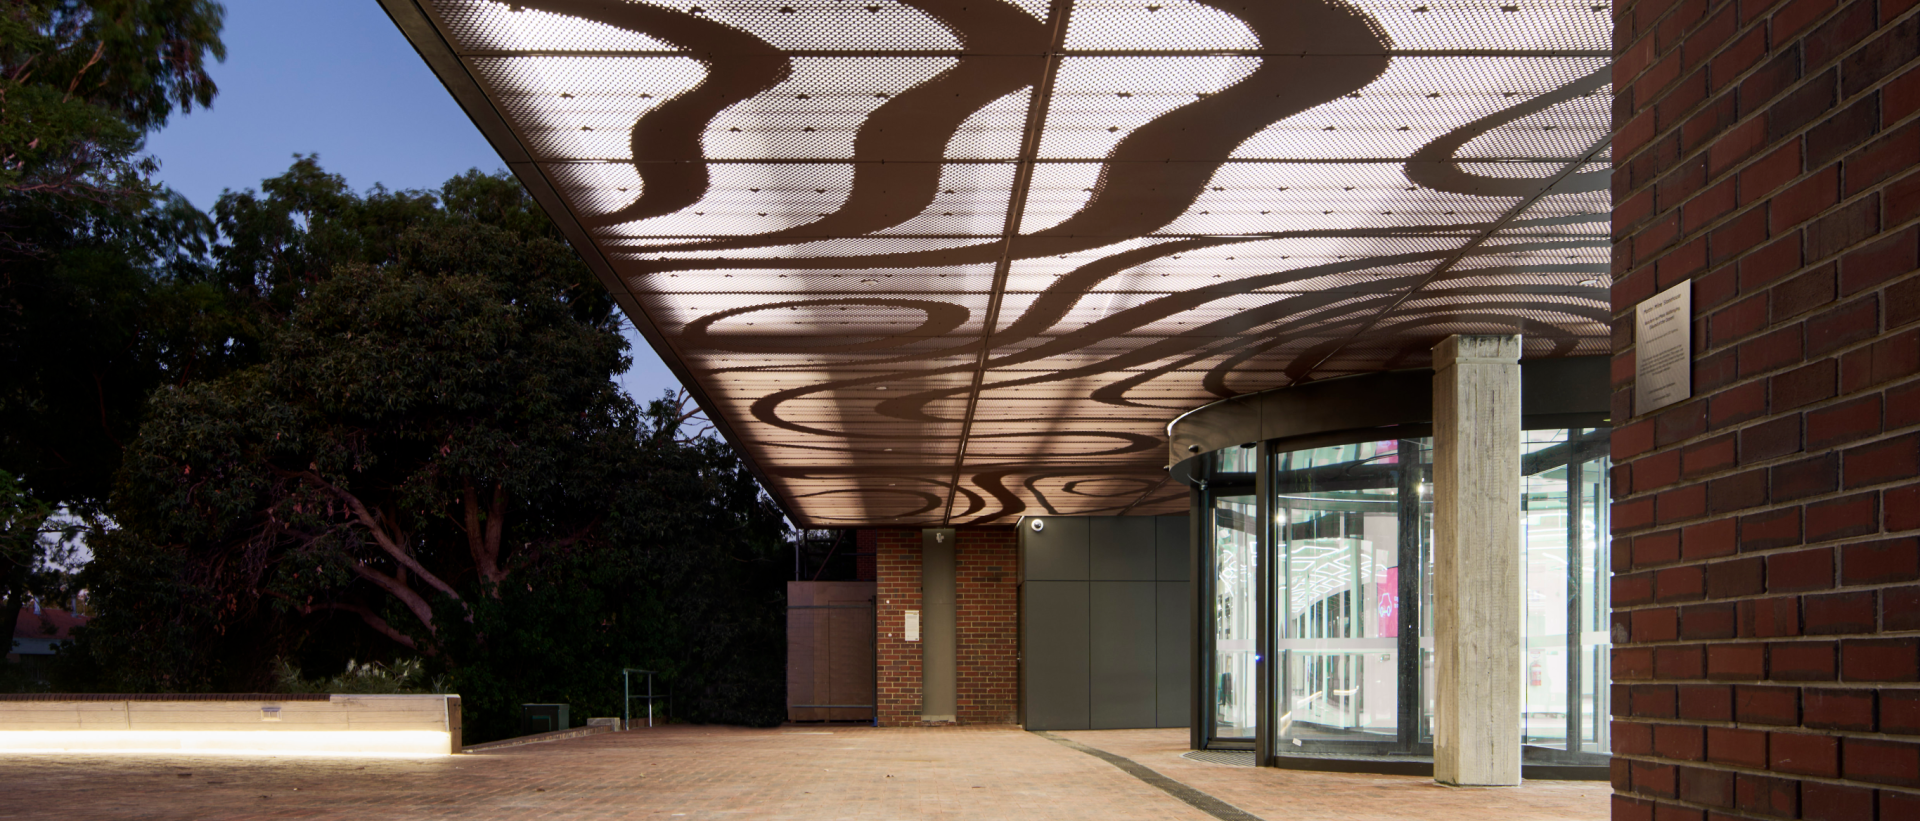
point(23, 521)
point(412, 445)
point(83, 81)
point(101, 296)
point(315, 426)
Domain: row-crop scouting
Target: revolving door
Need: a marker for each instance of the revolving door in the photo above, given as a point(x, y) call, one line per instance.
point(1316, 583)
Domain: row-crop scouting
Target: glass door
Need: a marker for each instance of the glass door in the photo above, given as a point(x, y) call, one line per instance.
point(1564, 527)
point(1232, 544)
point(1350, 524)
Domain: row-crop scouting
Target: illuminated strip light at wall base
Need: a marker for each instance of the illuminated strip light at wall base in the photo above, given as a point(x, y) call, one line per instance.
point(323, 743)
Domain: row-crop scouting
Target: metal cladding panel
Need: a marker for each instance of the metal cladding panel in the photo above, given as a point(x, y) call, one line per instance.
point(1058, 551)
point(1056, 653)
point(1014, 239)
point(939, 635)
point(1173, 546)
point(1173, 630)
point(1123, 661)
point(1121, 548)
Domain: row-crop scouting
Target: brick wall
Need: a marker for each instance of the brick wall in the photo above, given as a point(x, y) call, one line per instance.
point(988, 622)
point(898, 582)
point(1766, 613)
point(985, 618)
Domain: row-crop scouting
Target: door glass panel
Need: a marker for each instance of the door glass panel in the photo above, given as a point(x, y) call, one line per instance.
point(1563, 522)
point(1342, 543)
point(1234, 567)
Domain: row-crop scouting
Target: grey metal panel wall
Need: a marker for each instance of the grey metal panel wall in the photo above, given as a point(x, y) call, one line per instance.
point(1172, 544)
point(1173, 645)
point(939, 683)
point(1056, 553)
point(1105, 617)
point(1056, 655)
point(1123, 657)
point(1121, 548)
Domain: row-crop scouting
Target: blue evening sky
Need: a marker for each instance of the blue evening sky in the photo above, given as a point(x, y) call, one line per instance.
point(334, 78)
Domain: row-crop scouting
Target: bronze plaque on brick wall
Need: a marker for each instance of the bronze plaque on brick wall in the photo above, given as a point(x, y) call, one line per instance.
point(1663, 353)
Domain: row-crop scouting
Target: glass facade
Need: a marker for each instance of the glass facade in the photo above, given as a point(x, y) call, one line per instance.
point(1349, 560)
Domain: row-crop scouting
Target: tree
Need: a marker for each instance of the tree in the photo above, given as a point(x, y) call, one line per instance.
point(99, 295)
point(428, 456)
point(114, 305)
point(687, 578)
point(22, 522)
point(83, 81)
point(415, 428)
point(88, 329)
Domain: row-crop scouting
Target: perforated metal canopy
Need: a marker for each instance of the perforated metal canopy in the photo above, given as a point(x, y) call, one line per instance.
point(960, 261)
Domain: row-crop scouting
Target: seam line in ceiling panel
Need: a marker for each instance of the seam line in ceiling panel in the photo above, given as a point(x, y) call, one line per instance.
point(1016, 209)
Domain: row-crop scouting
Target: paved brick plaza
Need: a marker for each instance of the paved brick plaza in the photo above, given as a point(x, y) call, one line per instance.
point(785, 773)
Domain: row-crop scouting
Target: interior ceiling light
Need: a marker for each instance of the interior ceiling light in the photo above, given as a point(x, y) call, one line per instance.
point(953, 192)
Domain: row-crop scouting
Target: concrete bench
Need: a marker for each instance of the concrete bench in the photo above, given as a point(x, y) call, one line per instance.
point(386, 725)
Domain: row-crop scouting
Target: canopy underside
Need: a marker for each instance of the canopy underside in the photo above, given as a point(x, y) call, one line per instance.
point(958, 261)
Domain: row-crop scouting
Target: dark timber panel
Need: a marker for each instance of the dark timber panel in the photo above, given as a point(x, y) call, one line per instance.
point(1121, 548)
point(1056, 655)
point(1058, 552)
point(1123, 657)
point(1173, 628)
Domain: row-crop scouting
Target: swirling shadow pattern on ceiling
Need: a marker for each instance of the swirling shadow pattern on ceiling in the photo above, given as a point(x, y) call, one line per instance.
point(957, 261)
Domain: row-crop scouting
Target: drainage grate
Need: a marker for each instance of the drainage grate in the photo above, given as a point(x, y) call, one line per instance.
point(1231, 758)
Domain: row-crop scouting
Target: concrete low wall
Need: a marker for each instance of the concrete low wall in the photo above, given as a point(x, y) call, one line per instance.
point(542, 738)
point(324, 724)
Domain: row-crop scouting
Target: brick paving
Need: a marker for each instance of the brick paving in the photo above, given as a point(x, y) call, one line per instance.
point(717, 772)
point(1277, 794)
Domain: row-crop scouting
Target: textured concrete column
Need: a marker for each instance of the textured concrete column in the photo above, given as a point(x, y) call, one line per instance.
point(1476, 561)
point(939, 696)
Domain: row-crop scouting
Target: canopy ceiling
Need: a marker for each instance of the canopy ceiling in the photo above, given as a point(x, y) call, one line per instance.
point(963, 260)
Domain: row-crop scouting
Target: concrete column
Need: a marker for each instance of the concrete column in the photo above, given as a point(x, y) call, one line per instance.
point(1476, 561)
point(939, 681)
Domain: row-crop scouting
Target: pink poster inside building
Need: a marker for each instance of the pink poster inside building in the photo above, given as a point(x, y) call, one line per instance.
point(1389, 598)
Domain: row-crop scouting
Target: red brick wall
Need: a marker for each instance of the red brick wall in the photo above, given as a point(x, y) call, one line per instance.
point(898, 582)
point(988, 622)
point(985, 618)
point(1766, 612)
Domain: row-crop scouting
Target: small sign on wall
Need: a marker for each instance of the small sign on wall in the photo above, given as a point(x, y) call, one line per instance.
point(913, 625)
point(1663, 336)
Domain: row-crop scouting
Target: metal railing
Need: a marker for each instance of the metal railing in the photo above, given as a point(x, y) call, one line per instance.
point(626, 686)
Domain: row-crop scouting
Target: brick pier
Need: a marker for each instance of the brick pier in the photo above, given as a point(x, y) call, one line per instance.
point(1767, 622)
